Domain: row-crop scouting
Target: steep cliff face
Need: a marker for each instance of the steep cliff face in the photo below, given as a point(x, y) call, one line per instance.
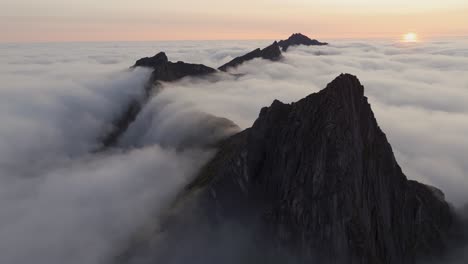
point(321, 178)
point(271, 52)
point(299, 39)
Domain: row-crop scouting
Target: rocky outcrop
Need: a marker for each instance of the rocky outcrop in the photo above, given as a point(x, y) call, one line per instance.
point(163, 70)
point(271, 52)
point(152, 62)
point(299, 39)
point(320, 178)
point(167, 71)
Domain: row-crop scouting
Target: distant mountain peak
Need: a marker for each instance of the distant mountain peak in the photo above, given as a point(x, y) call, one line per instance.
point(152, 62)
point(271, 52)
point(299, 39)
point(163, 71)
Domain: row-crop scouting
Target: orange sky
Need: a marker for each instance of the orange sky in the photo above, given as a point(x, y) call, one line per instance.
point(138, 20)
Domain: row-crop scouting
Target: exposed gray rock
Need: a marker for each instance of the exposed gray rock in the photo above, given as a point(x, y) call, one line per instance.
point(271, 52)
point(321, 178)
point(299, 39)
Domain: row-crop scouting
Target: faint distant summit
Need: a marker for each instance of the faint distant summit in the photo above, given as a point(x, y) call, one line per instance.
point(271, 52)
point(299, 39)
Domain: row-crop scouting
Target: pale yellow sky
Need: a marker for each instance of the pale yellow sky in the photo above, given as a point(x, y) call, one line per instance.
point(135, 20)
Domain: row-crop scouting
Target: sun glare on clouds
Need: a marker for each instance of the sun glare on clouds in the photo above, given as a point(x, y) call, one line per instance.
point(410, 37)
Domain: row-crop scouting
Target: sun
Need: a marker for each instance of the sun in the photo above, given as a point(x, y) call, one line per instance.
point(410, 37)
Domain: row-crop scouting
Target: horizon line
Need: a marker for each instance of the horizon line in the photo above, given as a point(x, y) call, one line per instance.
point(395, 38)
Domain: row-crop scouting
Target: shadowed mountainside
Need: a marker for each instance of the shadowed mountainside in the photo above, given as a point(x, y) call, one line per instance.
point(316, 179)
point(322, 177)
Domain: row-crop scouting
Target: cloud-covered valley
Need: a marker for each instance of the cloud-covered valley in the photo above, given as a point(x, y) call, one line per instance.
point(63, 203)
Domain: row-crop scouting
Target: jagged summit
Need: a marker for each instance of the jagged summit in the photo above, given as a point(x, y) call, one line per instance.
point(321, 179)
point(316, 179)
point(271, 52)
point(167, 71)
point(299, 39)
point(163, 70)
point(152, 62)
point(345, 85)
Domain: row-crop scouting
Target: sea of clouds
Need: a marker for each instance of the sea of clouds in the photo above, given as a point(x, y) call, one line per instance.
point(61, 202)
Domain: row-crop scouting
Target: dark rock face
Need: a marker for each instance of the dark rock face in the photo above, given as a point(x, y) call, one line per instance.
point(152, 62)
point(321, 178)
point(167, 71)
point(164, 70)
point(271, 52)
point(299, 39)
point(170, 71)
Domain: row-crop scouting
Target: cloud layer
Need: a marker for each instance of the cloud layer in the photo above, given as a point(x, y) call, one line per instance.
point(419, 93)
point(62, 203)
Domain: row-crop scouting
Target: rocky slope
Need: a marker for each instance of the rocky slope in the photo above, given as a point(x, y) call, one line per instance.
point(314, 181)
point(321, 178)
point(271, 52)
point(299, 39)
point(163, 71)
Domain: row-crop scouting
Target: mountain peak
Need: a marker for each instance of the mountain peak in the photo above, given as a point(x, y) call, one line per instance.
point(345, 85)
point(163, 70)
point(167, 71)
point(152, 62)
point(299, 39)
point(320, 174)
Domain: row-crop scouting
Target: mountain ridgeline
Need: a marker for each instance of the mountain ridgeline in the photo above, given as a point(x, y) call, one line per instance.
point(271, 52)
point(314, 181)
point(164, 70)
point(321, 178)
point(297, 39)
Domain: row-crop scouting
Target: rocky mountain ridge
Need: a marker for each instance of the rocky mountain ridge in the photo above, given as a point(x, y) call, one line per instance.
point(316, 179)
point(271, 52)
point(321, 175)
point(164, 70)
point(297, 39)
